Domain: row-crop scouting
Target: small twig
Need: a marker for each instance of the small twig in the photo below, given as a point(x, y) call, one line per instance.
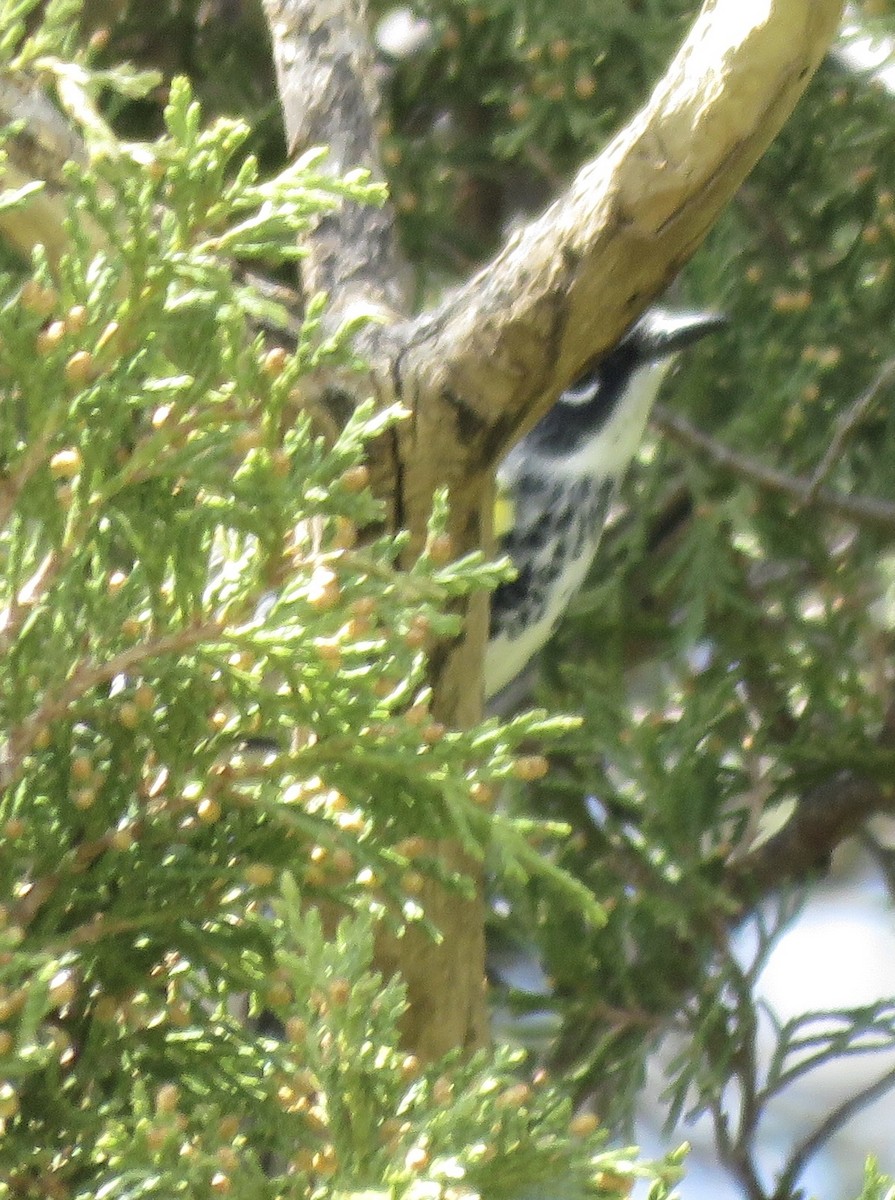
point(865, 510)
point(755, 801)
point(846, 424)
point(35, 590)
point(830, 1125)
point(34, 457)
point(884, 858)
point(734, 1156)
point(734, 1148)
point(87, 676)
point(25, 599)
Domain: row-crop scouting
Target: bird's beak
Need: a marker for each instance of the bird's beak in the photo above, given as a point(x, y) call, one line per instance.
point(664, 333)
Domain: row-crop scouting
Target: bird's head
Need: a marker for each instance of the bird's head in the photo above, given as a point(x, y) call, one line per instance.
point(605, 410)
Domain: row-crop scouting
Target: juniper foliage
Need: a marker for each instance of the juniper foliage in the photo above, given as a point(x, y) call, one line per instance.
point(181, 576)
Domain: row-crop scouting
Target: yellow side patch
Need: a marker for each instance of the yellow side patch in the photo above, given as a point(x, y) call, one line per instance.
point(504, 513)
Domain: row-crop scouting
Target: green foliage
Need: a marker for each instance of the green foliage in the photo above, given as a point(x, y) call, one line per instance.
point(876, 1186)
point(337, 1108)
point(731, 654)
point(500, 99)
point(727, 656)
point(733, 650)
point(212, 667)
point(500, 84)
point(54, 33)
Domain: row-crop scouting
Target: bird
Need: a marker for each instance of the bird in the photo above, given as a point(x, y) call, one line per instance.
point(556, 486)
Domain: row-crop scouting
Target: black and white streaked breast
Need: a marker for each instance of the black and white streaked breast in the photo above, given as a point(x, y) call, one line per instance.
point(558, 524)
point(561, 480)
point(561, 491)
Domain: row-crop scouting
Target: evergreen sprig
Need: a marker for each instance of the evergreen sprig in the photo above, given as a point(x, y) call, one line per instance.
point(212, 669)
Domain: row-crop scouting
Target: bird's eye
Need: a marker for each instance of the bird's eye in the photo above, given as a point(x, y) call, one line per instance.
point(586, 406)
point(583, 390)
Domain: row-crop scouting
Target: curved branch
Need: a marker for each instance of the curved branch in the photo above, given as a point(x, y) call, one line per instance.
point(826, 1129)
point(493, 357)
point(501, 348)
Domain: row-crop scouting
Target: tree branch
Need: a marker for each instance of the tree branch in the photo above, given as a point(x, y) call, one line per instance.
point(326, 81)
point(826, 1129)
point(494, 356)
point(824, 817)
point(496, 353)
point(847, 423)
point(805, 491)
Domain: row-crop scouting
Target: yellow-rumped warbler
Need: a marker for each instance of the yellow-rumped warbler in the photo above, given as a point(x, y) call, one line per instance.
point(555, 487)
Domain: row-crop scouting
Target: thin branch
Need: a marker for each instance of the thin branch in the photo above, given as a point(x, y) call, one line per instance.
point(23, 601)
point(847, 423)
point(33, 458)
point(734, 1149)
point(829, 1126)
point(734, 1155)
point(85, 677)
point(883, 857)
point(866, 510)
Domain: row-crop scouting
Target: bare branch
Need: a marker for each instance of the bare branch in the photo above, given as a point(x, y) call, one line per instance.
point(830, 1125)
point(326, 81)
point(866, 510)
point(846, 424)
